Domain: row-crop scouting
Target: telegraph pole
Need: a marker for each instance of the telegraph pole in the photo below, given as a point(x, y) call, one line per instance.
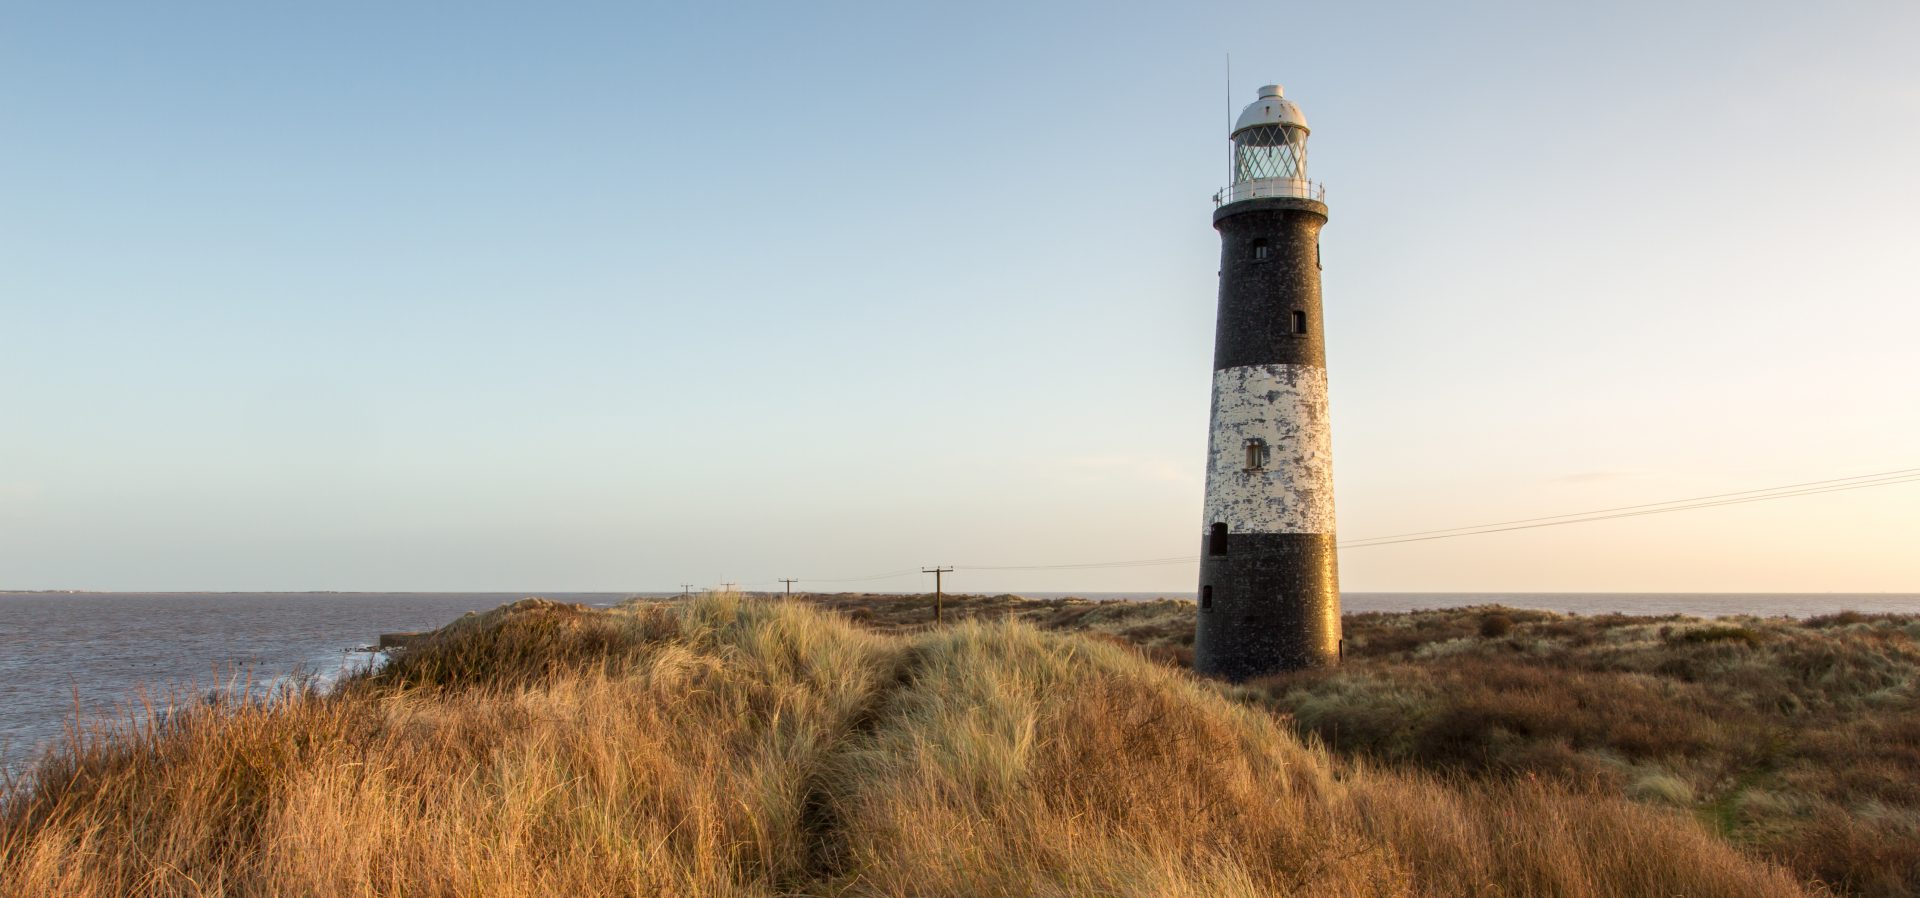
point(936, 571)
point(727, 587)
point(686, 590)
point(789, 581)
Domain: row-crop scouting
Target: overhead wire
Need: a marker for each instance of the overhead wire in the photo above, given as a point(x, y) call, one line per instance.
point(1714, 500)
point(1899, 472)
point(856, 579)
point(1385, 541)
point(1144, 562)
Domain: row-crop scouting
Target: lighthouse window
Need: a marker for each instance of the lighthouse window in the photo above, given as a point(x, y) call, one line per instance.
point(1260, 250)
point(1206, 598)
point(1299, 322)
point(1256, 454)
point(1217, 543)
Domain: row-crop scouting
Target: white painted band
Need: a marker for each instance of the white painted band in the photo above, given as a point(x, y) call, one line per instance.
point(1286, 407)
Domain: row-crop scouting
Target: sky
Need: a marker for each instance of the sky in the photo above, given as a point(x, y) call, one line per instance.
point(569, 297)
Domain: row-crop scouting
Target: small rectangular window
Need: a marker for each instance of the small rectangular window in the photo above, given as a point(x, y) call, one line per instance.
point(1299, 322)
point(1206, 598)
point(1217, 540)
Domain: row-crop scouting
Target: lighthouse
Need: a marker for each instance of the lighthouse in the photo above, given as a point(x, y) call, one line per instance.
point(1269, 578)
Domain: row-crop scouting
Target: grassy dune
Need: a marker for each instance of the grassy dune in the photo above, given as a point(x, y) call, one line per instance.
point(1797, 740)
point(742, 748)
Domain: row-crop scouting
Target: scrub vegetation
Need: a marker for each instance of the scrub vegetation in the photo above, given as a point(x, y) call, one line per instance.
point(1795, 741)
point(730, 747)
point(1798, 741)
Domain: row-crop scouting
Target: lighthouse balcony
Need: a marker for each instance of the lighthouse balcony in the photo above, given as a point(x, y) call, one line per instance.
point(1260, 188)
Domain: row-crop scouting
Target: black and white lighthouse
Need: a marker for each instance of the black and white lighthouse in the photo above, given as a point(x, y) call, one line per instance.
point(1269, 579)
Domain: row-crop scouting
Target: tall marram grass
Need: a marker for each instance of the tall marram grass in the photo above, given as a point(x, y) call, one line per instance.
point(729, 748)
point(1798, 741)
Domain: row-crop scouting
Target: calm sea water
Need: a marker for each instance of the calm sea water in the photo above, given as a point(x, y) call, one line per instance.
point(96, 653)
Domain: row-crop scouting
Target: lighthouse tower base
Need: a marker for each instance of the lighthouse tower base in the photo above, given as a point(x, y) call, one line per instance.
point(1275, 606)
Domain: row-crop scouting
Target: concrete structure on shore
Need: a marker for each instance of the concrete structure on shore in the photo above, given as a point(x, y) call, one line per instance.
point(1269, 579)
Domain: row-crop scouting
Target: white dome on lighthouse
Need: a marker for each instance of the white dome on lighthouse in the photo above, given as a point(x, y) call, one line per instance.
point(1273, 108)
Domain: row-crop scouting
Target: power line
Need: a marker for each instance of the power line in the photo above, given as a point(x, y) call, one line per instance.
point(1808, 488)
point(1146, 562)
point(1715, 500)
point(1395, 536)
point(1383, 541)
point(888, 576)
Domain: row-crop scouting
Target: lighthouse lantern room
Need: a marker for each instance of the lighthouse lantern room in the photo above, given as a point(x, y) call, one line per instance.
point(1270, 150)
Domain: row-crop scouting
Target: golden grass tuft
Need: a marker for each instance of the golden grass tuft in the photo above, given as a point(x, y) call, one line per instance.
point(723, 747)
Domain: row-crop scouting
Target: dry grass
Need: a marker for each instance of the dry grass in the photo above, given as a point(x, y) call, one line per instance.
point(1161, 629)
point(730, 748)
point(539, 749)
point(1797, 740)
point(1017, 763)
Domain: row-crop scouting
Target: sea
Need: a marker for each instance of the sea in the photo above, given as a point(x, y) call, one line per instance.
point(72, 660)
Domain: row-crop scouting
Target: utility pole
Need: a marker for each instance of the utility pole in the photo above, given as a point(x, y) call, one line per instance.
point(936, 571)
point(789, 581)
point(728, 586)
point(686, 590)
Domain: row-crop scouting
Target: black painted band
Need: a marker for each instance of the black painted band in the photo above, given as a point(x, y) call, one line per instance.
point(1271, 604)
point(1269, 270)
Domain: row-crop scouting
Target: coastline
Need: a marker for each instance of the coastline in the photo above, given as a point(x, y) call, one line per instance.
point(826, 742)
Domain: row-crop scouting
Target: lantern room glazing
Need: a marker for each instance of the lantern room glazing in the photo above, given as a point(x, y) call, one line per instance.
point(1270, 151)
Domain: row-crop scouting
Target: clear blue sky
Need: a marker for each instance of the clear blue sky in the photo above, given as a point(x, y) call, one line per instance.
point(619, 296)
